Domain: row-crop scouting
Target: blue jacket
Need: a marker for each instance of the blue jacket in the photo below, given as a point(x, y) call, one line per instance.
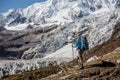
point(81, 43)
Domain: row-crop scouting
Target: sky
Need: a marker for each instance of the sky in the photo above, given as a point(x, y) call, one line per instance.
point(15, 4)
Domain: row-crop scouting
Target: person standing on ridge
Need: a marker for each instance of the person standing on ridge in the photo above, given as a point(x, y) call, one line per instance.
point(82, 45)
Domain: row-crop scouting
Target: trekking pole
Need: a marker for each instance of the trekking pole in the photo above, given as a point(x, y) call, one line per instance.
point(72, 51)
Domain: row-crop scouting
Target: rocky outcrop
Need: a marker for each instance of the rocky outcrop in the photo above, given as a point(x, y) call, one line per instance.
point(2, 28)
point(13, 44)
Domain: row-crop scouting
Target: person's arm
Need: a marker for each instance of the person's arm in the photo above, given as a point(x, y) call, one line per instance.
point(76, 44)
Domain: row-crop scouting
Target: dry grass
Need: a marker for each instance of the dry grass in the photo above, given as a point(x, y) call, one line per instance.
point(100, 69)
point(115, 55)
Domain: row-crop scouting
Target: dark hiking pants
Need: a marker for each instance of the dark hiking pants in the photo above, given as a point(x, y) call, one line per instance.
point(80, 57)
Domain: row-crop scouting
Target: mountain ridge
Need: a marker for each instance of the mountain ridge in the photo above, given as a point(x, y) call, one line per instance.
point(56, 12)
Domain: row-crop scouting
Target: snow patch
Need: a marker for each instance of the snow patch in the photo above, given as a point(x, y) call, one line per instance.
point(18, 27)
point(62, 53)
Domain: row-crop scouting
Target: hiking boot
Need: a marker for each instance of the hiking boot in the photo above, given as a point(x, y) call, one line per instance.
point(81, 67)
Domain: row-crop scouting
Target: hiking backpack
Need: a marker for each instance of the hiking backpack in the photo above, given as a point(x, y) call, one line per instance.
point(84, 43)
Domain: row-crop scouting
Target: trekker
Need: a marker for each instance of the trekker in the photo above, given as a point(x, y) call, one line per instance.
point(82, 45)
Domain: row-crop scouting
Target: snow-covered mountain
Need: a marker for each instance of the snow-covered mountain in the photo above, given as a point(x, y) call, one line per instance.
point(55, 12)
point(49, 41)
point(97, 16)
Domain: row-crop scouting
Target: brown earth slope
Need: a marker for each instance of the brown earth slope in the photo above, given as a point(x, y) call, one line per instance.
point(105, 68)
point(107, 46)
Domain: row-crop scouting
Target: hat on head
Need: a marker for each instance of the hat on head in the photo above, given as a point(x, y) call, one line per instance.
point(79, 33)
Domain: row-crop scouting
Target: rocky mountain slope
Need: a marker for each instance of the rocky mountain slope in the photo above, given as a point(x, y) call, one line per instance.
point(40, 41)
point(14, 43)
point(98, 17)
point(108, 51)
point(103, 67)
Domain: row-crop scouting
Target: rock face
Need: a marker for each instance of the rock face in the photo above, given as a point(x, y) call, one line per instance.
point(2, 28)
point(13, 44)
